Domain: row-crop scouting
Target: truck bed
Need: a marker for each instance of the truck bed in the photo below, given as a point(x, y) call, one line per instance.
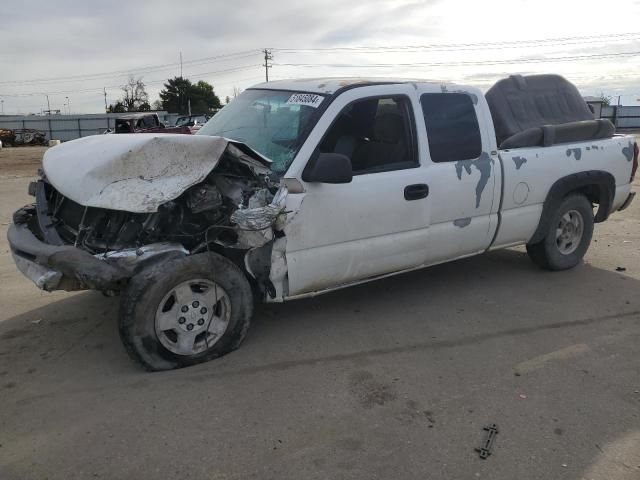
point(529, 173)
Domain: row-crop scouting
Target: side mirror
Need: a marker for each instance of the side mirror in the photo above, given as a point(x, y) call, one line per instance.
point(329, 168)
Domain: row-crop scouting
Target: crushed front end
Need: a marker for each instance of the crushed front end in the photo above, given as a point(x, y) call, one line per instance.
point(61, 244)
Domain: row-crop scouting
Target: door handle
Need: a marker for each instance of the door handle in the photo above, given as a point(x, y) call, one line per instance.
point(416, 191)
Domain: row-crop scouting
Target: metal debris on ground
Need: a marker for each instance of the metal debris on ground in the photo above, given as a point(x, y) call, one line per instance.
point(485, 450)
point(29, 136)
point(7, 137)
point(621, 269)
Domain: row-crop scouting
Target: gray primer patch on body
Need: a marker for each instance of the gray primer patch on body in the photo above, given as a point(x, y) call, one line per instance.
point(519, 161)
point(628, 152)
point(462, 222)
point(575, 151)
point(483, 165)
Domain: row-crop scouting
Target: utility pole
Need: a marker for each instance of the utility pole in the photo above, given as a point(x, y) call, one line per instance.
point(106, 109)
point(180, 64)
point(267, 56)
point(2, 103)
point(48, 104)
point(68, 106)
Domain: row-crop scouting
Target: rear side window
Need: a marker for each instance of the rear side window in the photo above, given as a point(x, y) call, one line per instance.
point(452, 126)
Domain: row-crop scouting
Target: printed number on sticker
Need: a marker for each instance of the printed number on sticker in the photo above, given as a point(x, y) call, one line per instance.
point(308, 99)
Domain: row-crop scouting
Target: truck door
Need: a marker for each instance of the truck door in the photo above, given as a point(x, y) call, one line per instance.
point(463, 173)
point(377, 223)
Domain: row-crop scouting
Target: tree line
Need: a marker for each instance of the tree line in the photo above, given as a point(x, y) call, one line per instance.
point(177, 96)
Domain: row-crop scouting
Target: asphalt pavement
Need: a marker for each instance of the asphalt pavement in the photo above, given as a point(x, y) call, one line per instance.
point(390, 380)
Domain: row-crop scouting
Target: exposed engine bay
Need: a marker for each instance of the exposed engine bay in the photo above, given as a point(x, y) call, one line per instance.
point(232, 211)
point(199, 217)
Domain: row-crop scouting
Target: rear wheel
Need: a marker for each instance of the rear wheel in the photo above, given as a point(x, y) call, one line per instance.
point(568, 237)
point(185, 311)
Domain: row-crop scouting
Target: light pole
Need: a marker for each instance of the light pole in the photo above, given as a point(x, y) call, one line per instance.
point(68, 106)
point(2, 103)
point(48, 105)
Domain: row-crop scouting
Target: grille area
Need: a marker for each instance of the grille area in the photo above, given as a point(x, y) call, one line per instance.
point(94, 229)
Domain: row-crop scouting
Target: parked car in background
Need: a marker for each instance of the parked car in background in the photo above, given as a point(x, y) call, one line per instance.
point(146, 123)
point(195, 122)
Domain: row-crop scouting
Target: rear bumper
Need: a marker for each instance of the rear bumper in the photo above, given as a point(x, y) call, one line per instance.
point(628, 201)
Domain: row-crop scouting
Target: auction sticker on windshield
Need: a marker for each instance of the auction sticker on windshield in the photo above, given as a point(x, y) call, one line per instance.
point(308, 99)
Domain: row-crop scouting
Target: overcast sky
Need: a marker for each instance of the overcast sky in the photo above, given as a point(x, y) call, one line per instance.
point(44, 44)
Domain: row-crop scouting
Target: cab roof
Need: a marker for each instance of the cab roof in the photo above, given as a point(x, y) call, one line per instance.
point(330, 85)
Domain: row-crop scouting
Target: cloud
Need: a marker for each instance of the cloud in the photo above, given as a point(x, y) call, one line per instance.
point(66, 38)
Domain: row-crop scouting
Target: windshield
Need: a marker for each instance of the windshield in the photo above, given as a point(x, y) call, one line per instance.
point(271, 122)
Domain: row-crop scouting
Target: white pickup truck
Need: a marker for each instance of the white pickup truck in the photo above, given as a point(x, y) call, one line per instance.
point(297, 188)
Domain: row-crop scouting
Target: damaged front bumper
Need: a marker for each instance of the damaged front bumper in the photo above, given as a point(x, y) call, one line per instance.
point(66, 267)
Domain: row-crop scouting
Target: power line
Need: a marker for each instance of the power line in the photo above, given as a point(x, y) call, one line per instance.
point(471, 48)
point(463, 46)
point(151, 82)
point(466, 63)
point(135, 71)
point(268, 53)
point(389, 49)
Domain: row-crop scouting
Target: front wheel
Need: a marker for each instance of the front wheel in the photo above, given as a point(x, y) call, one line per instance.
point(568, 237)
point(185, 311)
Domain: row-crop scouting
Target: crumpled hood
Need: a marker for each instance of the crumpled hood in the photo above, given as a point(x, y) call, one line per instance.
point(134, 172)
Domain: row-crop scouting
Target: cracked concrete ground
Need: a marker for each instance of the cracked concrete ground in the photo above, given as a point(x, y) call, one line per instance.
point(390, 380)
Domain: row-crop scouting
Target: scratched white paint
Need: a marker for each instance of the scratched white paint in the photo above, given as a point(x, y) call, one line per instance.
point(545, 165)
point(341, 234)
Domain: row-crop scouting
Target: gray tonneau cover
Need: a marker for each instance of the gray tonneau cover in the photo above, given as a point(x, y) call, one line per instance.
point(539, 110)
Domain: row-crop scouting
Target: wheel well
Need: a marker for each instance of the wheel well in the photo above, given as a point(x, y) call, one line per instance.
point(598, 186)
point(237, 256)
point(592, 192)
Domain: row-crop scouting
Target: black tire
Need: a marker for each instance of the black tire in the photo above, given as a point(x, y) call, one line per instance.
point(547, 254)
point(147, 290)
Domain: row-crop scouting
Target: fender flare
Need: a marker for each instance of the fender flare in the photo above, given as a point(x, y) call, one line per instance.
point(597, 185)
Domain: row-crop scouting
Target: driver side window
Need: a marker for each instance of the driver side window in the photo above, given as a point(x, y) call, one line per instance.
point(376, 134)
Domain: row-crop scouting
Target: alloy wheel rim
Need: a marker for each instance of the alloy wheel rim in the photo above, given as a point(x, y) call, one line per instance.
point(192, 317)
point(569, 232)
